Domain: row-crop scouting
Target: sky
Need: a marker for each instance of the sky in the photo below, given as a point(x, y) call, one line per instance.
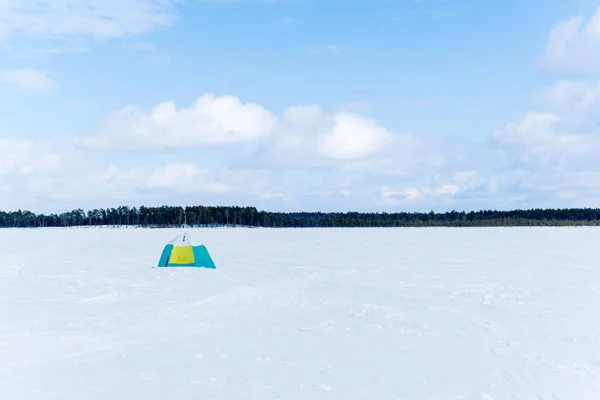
point(300, 105)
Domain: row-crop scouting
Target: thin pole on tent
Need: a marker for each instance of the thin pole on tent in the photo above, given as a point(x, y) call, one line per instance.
point(184, 222)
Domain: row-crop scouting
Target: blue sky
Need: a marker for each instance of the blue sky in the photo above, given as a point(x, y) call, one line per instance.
point(370, 105)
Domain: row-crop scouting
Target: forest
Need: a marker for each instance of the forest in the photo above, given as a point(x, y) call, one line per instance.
point(219, 216)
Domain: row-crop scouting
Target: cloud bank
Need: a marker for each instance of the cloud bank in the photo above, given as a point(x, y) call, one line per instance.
point(226, 149)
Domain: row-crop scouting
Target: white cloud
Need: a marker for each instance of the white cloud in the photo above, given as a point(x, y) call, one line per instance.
point(567, 134)
point(175, 176)
point(313, 155)
point(210, 120)
point(309, 136)
point(304, 133)
point(547, 158)
point(447, 189)
point(533, 129)
point(573, 46)
point(27, 157)
point(352, 136)
point(409, 193)
point(28, 79)
point(413, 194)
point(83, 18)
point(178, 178)
point(574, 99)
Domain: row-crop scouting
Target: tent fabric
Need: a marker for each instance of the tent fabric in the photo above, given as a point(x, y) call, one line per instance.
point(180, 252)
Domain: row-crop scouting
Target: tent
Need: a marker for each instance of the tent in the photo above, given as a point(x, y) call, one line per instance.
point(180, 252)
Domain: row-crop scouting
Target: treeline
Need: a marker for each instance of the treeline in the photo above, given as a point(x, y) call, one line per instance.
point(204, 216)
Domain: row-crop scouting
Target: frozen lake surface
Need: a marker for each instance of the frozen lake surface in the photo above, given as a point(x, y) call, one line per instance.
point(421, 313)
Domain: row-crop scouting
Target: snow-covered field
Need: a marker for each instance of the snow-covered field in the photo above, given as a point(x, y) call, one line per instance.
point(476, 314)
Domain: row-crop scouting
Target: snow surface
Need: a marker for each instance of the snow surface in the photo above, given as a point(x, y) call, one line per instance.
point(418, 313)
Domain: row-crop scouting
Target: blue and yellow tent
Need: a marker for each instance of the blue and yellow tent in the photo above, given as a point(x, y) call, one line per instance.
point(180, 252)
